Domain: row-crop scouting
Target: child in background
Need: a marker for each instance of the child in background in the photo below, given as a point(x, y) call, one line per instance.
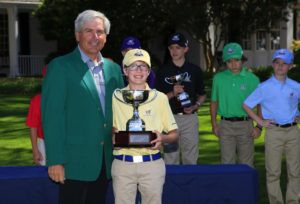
point(34, 122)
point(130, 43)
point(279, 97)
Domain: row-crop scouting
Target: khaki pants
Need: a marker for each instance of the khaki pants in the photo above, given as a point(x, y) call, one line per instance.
point(188, 141)
point(147, 177)
point(236, 142)
point(279, 142)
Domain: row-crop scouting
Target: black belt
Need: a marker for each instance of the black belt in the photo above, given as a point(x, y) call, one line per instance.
point(285, 125)
point(235, 119)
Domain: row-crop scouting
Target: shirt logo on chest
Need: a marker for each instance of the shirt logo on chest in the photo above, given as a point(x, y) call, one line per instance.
point(243, 87)
point(148, 112)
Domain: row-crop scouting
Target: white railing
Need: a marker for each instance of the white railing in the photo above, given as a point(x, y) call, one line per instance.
point(31, 65)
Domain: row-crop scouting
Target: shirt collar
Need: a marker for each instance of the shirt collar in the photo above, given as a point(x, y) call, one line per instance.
point(147, 87)
point(242, 72)
point(276, 81)
point(86, 59)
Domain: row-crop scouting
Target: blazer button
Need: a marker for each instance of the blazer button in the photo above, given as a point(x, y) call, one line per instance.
point(102, 143)
point(104, 125)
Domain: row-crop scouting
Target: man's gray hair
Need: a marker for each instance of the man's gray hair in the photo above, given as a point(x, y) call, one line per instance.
point(88, 15)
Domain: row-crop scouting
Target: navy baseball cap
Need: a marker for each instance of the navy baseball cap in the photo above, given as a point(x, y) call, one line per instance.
point(179, 39)
point(285, 55)
point(130, 42)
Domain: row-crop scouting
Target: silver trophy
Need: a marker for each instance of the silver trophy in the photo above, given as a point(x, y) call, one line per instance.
point(135, 134)
point(183, 97)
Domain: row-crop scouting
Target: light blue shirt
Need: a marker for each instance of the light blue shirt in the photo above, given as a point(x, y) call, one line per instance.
point(96, 69)
point(279, 100)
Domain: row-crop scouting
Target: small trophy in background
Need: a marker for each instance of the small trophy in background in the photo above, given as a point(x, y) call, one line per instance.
point(135, 134)
point(183, 97)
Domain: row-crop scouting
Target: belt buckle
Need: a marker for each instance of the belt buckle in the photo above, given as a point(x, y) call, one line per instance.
point(137, 159)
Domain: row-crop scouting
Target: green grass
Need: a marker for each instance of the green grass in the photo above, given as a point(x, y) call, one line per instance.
point(15, 147)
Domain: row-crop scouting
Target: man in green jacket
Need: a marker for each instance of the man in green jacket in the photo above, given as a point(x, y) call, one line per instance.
point(77, 114)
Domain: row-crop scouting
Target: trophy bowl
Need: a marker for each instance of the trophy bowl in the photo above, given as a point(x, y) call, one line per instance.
point(135, 96)
point(135, 134)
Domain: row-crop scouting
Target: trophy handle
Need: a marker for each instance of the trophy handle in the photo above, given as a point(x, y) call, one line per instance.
point(184, 75)
point(120, 91)
point(155, 94)
point(168, 80)
point(115, 95)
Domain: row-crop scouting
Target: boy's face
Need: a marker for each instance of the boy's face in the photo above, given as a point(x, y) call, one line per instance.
point(280, 67)
point(177, 52)
point(137, 73)
point(235, 65)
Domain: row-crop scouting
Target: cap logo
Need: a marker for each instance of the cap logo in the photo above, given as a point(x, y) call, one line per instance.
point(138, 53)
point(175, 38)
point(130, 42)
point(230, 51)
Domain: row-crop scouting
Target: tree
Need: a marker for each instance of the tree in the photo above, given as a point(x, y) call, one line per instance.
point(210, 22)
point(213, 22)
point(131, 17)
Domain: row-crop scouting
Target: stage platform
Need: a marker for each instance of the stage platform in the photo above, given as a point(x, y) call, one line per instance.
point(185, 184)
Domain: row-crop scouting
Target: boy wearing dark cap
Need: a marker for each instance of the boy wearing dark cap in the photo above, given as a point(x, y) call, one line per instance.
point(279, 98)
point(229, 90)
point(130, 43)
point(185, 98)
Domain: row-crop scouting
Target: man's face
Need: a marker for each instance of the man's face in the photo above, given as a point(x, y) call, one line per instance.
point(92, 37)
point(281, 68)
point(235, 65)
point(177, 52)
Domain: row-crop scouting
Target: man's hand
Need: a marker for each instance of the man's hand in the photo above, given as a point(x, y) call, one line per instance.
point(57, 173)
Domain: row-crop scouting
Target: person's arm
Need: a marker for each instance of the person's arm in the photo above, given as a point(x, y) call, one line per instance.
point(213, 117)
point(200, 100)
point(37, 156)
point(53, 116)
point(257, 129)
point(256, 117)
point(170, 137)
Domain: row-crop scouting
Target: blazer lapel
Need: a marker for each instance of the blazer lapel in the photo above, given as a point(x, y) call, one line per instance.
point(106, 76)
point(86, 77)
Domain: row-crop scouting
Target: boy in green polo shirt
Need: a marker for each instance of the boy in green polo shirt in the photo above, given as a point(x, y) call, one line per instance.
point(141, 167)
point(230, 88)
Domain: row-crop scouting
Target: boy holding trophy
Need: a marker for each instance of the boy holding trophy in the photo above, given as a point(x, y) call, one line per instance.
point(183, 83)
point(142, 121)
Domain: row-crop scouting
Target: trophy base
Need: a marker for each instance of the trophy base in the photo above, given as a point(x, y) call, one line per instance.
point(134, 139)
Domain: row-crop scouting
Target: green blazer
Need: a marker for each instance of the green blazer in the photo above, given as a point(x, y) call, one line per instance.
point(77, 134)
